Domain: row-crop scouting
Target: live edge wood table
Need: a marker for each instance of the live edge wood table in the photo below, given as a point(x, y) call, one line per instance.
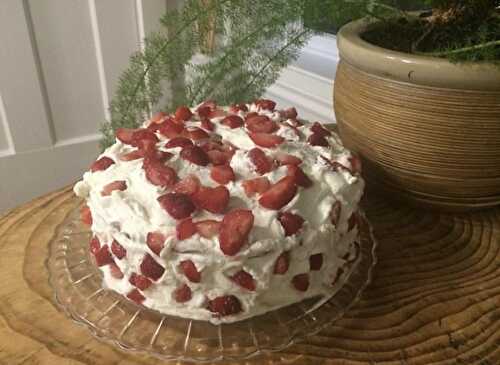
point(435, 298)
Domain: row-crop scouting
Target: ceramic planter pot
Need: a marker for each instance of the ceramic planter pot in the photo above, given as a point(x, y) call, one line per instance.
point(428, 130)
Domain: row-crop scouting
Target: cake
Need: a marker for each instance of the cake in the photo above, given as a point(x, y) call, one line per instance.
point(223, 213)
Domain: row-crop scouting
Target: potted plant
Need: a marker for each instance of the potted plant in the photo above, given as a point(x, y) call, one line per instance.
point(418, 96)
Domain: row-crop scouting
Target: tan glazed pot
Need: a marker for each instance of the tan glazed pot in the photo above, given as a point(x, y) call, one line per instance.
point(428, 131)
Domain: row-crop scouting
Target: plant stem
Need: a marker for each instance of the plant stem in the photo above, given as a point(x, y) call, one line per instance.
point(461, 50)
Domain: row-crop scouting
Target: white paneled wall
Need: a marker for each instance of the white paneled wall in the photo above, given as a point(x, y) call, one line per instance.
point(59, 64)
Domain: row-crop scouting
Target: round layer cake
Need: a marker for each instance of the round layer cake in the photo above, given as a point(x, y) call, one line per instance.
point(223, 213)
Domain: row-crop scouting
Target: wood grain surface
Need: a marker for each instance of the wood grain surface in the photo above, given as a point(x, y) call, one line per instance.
point(435, 298)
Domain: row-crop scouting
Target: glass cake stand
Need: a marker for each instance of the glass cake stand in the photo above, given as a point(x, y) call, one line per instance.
point(77, 284)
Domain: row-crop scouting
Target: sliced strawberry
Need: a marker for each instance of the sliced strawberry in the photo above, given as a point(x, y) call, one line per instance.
point(318, 129)
point(158, 117)
point(335, 213)
point(86, 215)
point(179, 142)
point(170, 129)
point(301, 179)
point(265, 104)
point(160, 156)
point(155, 242)
point(356, 166)
point(290, 113)
point(189, 185)
point(294, 123)
point(119, 185)
point(136, 296)
point(208, 125)
point(353, 221)
point(214, 200)
point(279, 194)
point(225, 305)
point(203, 112)
point(244, 279)
point(139, 281)
point(262, 163)
point(286, 159)
point(235, 108)
point(151, 268)
point(266, 140)
point(218, 157)
point(178, 205)
point(159, 174)
point(234, 230)
point(183, 113)
point(185, 229)
point(195, 155)
point(94, 245)
point(101, 164)
point(261, 124)
point(232, 121)
point(301, 282)
point(316, 261)
point(317, 140)
point(210, 104)
point(195, 133)
point(208, 228)
point(222, 174)
point(282, 263)
point(115, 271)
point(182, 294)
point(143, 138)
point(124, 135)
point(133, 155)
point(190, 271)
point(217, 113)
point(259, 185)
point(291, 223)
point(119, 251)
point(103, 256)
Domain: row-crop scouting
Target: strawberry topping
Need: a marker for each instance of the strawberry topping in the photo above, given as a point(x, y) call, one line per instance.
point(195, 134)
point(301, 179)
point(291, 223)
point(282, 263)
point(208, 228)
point(136, 296)
point(262, 163)
point(178, 205)
point(195, 155)
point(185, 229)
point(235, 108)
point(170, 129)
point(261, 124)
point(222, 174)
point(86, 215)
point(317, 140)
point(266, 140)
point(179, 142)
point(103, 256)
point(182, 294)
point(279, 194)
point(124, 135)
point(159, 174)
point(290, 113)
point(318, 129)
point(265, 104)
point(286, 159)
point(301, 282)
point(115, 271)
point(101, 164)
point(183, 113)
point(232, 121)
point(119, 185)
point(316, 261)
point(208, 125)
point(143, 138)
point(225, 305)
point(94, 245)
point(234, 230)
point(214, 200)
point(151, 268)
point(258, 185)
point(155, 242)
point(190, 271)
point(119, 251)
point(139, 281)
point(189, 185)
point(244, 279)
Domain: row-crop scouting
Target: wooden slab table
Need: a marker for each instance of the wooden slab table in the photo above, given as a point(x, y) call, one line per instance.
point(435, 298)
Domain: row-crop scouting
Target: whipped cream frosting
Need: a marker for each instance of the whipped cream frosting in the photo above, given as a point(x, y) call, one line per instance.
point(128, 216)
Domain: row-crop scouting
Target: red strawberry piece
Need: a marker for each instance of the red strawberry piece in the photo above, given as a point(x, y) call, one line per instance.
point(294, 123)
point(157, 118)
point(195, 155)
point(235, 108)
point(155, 242)
point(119, 251)
point(265, 104)
point(222, 174)
point(244, 279)
point(139, 281)
point(211, 104)
point(262, 163)
point(160, 156)
point(179, 142)
point(189, 185)
point(185, 229)
point(208, 228)
point(154, 127)
point(103, 256)
point(292, 223)
point(208, 125)
point(286, 159)
point(124, 135)
point(178, 205)
point(225, 305)
point(203, 112)
point(144, 138)
point(301, 282)
point(159, 174)
point(316, 261)
point(94, 245)
point(217, 113)
point(182, 294)
point(170, 129)
point(115, 271)
point(266, 140)
point(151, 268)
point(317, 128)
point(119, 185)
point(232, 121)
point(214, 200)
point(195, 133)
point(218, 157)
point(356, 166)
point(335, 213)
point(183, 113)
point(261, 124)
point(353, 221)
point(301, 179)
point(290, 113)
point(279, 194)
point(258, 185)
point(101, 164)
point(190, 271)
point(234, 230)
point(86, 215)
point(251, 114)
point(211, 145)
point(317, 140)
point(133, 155)
point(282, 263)
point(136, 296)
